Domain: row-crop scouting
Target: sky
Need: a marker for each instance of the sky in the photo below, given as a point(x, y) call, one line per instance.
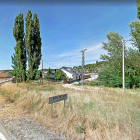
point(67, 28)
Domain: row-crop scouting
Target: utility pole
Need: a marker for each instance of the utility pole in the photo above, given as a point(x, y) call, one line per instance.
point(83, 63)
point(123, 66)
point(42, 72)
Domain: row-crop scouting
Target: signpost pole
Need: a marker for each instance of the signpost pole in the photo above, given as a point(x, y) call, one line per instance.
point(64, 103)
point(51, 109)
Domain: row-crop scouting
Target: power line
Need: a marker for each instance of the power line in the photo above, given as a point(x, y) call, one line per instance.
point(50, 64)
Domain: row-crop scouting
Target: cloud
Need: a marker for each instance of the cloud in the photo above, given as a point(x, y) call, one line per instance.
point(73, 58)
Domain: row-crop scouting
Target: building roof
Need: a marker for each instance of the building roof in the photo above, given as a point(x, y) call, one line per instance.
point(70, 70)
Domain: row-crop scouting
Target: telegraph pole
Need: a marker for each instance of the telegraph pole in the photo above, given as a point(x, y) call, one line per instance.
point(42, 72)
point(83, 63)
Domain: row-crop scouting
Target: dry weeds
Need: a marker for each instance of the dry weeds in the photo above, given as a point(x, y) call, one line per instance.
point(90, 115)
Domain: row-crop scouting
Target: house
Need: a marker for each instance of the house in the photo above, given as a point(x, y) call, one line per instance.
point(4, 75)
point(71, 73)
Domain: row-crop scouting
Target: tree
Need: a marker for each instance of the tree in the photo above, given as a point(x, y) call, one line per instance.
point(138, 9)
point(14, 66)
point(135, 28)
point(114, 49)
point(135, 33)
point(33, 44)
point(19, 58)
point(59, 75)
point(47, 76)
point(111, 73)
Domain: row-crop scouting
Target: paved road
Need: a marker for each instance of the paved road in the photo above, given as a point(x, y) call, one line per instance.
point(4, 135)
point(4, 81)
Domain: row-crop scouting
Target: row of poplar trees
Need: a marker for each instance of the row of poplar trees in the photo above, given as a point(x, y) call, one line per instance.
point(28, 47)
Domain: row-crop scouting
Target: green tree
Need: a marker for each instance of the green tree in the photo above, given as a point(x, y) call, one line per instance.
point(135, 33)
point(47, 76)
point(111, 73)
point(33, 44)
point(138, 9)
point(14, 66)
point(114, 50)
point(19, 58)
point(59, 75)
point(135, 28)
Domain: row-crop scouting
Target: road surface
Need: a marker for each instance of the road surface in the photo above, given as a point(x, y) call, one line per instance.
point(4, 135)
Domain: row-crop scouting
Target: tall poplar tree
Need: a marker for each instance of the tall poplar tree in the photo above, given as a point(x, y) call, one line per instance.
point(19, 58)
point(33, 44)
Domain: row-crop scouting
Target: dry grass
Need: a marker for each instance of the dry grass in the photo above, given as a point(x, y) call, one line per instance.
point(107, 115)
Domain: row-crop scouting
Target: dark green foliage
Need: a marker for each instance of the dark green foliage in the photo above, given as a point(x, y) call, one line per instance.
point(38, 74)
point(59, 75)
point(110, 76)
point(14, 66)
point(19, 58)
point(138, 9)
point(33, 44)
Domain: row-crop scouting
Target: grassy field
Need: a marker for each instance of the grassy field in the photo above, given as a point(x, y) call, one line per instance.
point(101, 114)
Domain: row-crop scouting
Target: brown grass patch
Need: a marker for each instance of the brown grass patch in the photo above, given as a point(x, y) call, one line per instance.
point(104, 115)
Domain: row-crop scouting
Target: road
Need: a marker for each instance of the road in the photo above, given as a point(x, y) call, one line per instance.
point(4, 81)
point(4, 135)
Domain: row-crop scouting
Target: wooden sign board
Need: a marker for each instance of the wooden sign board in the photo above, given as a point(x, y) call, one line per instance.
point(58, 98)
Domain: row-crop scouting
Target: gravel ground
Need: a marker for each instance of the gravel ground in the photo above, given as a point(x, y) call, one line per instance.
point(22, 127)
point(28, 129)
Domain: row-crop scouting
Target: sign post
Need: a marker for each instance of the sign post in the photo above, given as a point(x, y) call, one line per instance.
point(55, 99)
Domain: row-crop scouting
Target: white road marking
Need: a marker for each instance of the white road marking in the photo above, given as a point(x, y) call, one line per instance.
point(2, 137)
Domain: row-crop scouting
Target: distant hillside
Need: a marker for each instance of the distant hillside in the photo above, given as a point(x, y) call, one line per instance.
point(95, 67)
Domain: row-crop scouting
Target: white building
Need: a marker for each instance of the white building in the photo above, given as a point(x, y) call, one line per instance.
point(70, 73)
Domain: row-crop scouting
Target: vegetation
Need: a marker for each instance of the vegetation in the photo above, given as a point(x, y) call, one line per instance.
point(19, 58)
point(111, 72)
point(59, 75)
point(29, 44)
point(47, 76)
point(33, 44)
point(94, 113)
point(91, 67)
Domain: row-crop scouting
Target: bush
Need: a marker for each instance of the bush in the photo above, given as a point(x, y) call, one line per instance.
point(59, 75)
point(16, 80)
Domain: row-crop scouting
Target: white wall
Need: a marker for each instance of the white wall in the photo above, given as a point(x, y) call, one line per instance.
point(94, 76)
point(69, 75)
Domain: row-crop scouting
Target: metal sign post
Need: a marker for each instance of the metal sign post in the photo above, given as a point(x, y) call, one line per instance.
point(55, 99)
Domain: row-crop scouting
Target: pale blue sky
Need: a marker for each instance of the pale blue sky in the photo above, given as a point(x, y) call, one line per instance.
point(66, 29)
